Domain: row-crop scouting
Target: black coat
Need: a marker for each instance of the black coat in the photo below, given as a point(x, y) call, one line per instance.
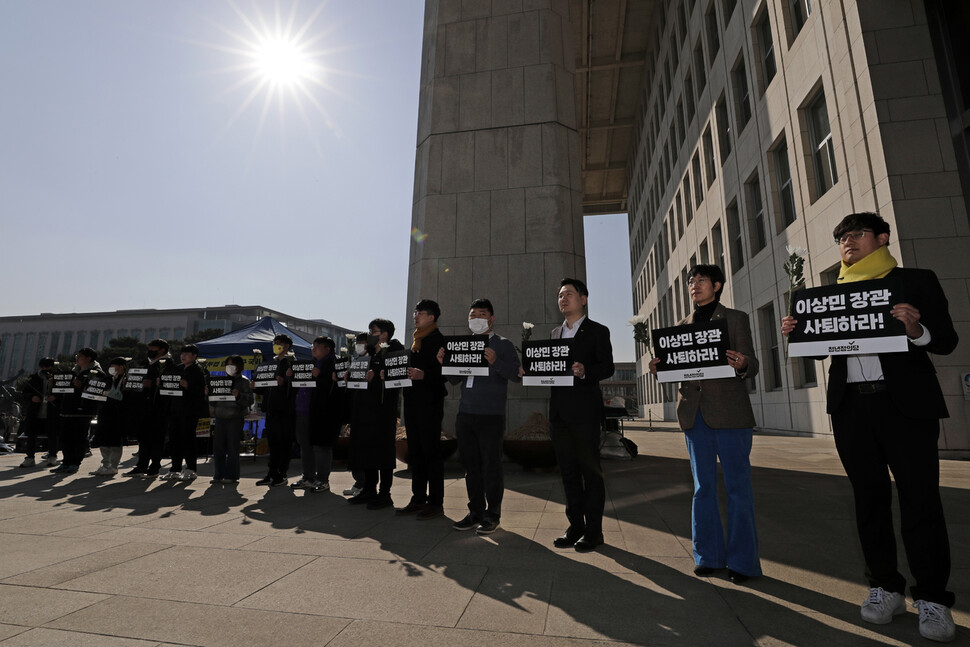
point(583, 402)
point(373, 421)
point(325, 406)
point(432, 386)
point(910, 376)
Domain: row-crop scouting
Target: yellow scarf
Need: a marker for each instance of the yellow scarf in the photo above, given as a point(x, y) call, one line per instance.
point(418, 335)
point(874, 266)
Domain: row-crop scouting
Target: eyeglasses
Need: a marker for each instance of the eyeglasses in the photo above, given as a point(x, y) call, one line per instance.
point(852, 235)
point(697, 280)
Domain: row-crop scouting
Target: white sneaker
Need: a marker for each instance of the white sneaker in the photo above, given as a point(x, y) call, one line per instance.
point(187, 475)
point(320, 486)
point(353, 491)
point(51, 460)
point(28, 462)
point(935, 621)
point(171, 476)
point(882, 605)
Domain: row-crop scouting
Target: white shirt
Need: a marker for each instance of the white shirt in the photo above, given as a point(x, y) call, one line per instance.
point(569, 333)
point(867, 368)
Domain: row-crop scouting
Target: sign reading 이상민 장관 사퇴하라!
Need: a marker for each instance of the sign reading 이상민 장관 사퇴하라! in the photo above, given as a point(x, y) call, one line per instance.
point(265, 375)
point(303, 374)
point(465, 355)
point(396, 370)
point(357, 376)
point(340, 366)
point(220, 389)
point(692, 351)
point(548, 362)
point(847, 319)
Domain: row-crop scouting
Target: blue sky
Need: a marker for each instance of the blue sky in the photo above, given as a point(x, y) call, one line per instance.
point(142, 167)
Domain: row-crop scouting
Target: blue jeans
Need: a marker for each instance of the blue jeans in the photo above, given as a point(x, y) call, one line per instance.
point(733, 447)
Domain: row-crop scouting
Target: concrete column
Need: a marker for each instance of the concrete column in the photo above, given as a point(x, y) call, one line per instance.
point(497, 209)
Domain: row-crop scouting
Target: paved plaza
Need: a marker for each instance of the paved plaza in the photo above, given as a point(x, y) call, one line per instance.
point(128, 562)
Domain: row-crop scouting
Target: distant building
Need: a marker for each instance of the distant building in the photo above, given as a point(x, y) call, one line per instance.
point(24, 340)
point(624, 384)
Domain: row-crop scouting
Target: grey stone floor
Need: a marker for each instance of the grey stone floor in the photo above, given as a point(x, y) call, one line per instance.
point(121, 562)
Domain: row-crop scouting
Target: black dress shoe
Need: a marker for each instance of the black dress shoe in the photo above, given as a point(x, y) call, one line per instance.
point(737, 578)
point(587, 543)
point(362, 498)
point(568, 538)
point(704, 570)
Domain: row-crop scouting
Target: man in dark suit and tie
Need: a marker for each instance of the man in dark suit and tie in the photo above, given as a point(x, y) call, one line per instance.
point(575, 413)
point(886, 411)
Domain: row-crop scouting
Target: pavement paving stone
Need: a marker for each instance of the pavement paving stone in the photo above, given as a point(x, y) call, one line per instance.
point(200, 564)
point(205, 625)
point(191, 574)
point(47, 637)
point(30, 606)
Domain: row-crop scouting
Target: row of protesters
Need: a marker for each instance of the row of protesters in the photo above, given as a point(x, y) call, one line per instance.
point(228, 417)
point(317, 418)
point(373, 422)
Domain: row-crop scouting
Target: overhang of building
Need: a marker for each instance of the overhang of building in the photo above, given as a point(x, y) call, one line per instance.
point(612, 39)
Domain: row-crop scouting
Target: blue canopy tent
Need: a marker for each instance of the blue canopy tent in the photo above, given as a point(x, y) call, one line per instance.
point(257, 335)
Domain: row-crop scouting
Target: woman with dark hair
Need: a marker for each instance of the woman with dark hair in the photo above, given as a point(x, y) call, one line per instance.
point(229, 417)
point(717, 420)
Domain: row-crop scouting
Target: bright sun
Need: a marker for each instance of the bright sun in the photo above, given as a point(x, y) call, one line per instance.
point(283, 62)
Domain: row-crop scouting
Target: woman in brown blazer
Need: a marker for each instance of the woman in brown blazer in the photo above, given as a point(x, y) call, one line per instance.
point(717, 421)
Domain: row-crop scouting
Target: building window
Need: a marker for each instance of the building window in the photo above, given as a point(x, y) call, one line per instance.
point(718, 242)
point(800, 11)
point(756, 218)
point(735, 239)
point(680, 123)
point(767, 50)
point(729, 6)
point(705, 255)
point(699, 66)
point(823, 155)
point(688, 211)
point(689, 97)
point(769, 335)
point(723, 128)
point(82, 339)
point(786, 191)
point(713, 37)
point(710, 166)
point(682, 21)
point(680, 216)
point(698, 180)
point(741, 94)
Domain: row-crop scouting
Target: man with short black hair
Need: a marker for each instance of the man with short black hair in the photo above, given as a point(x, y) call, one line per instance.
point(77, 412)
point(38, 412)
point(424, 407)
point(480, 424)
point(886, 410)
point(185, 413)
point(575, 414)
point(278, 404)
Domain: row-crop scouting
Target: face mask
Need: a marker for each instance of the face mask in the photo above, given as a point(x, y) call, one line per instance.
point(478, 326)
point(112, 371)
point(277, 349)
point(361, 348)
point(231, 370)
point(372, 340)
point(152, 354)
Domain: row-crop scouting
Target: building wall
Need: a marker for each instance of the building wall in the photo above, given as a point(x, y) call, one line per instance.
point(872, 63)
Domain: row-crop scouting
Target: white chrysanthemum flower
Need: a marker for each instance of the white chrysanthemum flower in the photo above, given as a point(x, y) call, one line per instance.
point(794, 249)
point(528, 326)
point(384, 344)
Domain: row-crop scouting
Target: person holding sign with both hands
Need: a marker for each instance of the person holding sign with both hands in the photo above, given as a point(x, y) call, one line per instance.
point(886, 410)
point(575, 414)
point(718, 422)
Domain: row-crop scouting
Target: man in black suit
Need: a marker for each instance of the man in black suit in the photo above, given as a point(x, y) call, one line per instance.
point(575, 413)
point(886, 411)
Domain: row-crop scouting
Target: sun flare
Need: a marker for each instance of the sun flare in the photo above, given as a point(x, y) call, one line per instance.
point(284, 62)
